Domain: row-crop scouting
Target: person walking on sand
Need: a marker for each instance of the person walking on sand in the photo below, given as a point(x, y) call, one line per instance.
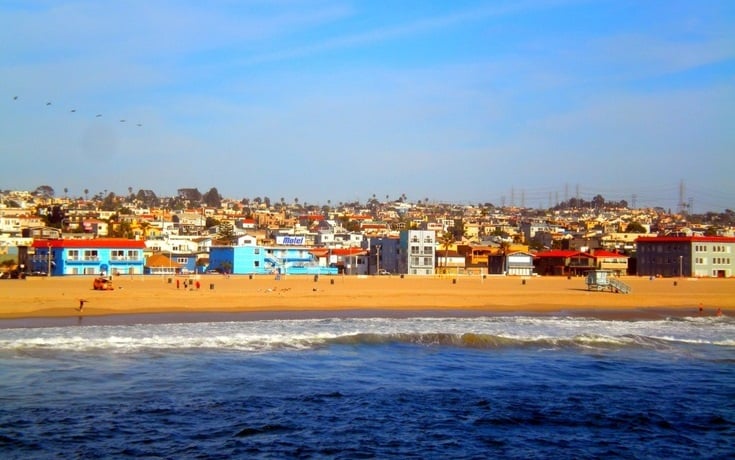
point(81, 304)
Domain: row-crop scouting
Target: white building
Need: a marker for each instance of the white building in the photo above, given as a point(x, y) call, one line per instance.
point(417, 252)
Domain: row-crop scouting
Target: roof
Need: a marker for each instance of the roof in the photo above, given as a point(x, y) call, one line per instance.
point(98, 243)
point(685, 239)
point(607, 254)
point(559, 253)
point(160, 260)
point(348, 251)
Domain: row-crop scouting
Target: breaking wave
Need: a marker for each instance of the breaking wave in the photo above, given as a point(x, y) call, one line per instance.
point(475, 333)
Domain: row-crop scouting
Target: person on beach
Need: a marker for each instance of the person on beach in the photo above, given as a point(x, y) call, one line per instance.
point(81, 304)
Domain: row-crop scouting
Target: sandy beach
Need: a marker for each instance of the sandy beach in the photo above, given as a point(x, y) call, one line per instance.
point(41, 297)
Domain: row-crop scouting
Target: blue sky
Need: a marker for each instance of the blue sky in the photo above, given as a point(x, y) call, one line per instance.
point(508, 102)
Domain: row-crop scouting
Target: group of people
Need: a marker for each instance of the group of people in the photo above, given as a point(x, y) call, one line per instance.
point(189, 283)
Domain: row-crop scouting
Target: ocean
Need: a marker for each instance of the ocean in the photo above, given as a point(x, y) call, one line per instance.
point(239, 386)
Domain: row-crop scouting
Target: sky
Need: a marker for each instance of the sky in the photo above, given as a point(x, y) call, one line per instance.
point(523, 103)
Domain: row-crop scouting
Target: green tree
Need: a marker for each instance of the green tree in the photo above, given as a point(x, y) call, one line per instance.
point(110, 202)
point(212, 198)
point(635, 227)
point(226, 232)
point(45, 191)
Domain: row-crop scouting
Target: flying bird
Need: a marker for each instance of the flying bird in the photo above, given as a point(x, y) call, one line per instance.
point(15, 98)
point(122, 121)
point(98, 115)
point(73, 110)
point(48, 103)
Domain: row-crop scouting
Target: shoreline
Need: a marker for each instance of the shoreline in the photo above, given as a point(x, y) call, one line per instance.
point(34, 300)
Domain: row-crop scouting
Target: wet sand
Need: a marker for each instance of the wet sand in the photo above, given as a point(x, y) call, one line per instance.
point(302, 296)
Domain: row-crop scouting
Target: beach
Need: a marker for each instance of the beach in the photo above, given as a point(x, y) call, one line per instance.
point(357, 367)
point(39, 297)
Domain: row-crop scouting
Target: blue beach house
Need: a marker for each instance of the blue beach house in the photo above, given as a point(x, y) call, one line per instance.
point(109, 256)
point(262, 260)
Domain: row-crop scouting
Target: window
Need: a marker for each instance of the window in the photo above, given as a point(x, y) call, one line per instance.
point(133, 255)
point(91, 254)
point(427, 261)
point(73, 254)
point(414, 249)
point(117, 254)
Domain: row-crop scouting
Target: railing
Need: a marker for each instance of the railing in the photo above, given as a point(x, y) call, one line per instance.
point(619, 286)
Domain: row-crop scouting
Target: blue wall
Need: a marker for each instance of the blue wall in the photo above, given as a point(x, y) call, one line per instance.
point(263, 260)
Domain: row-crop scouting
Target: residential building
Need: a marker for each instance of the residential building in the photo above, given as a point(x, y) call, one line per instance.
point(383, 254)
point(612, 261)
point(262, 260)
point(518, 263)
point(97, 256)
point(417, 252)
point(698, 256)
point(563, 262)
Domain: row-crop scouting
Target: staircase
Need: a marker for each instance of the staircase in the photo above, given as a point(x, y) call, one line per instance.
point(618, 286)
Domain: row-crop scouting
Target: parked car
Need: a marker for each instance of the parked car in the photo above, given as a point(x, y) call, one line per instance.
point(383, 272)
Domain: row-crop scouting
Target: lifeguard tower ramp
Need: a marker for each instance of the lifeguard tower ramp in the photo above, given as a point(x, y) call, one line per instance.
point(605, 280)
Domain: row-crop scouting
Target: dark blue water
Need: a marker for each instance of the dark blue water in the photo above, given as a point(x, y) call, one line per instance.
point(364, 392)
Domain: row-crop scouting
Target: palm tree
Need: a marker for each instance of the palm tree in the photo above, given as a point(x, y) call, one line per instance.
point(144, 226)
point(446, 239)
point(504, 247)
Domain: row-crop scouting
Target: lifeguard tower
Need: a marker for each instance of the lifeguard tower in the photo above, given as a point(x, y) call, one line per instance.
point(601, 280)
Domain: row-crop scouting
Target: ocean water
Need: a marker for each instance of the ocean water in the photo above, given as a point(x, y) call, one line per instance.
point(369, 387)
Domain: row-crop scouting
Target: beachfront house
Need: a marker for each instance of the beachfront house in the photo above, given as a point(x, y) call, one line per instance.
point(262, 260)
point(614, 262)
point(382, 254)
point(417, 252)
point(518, 263)
point(563, 262)
point(97, 256)
point(698, 256)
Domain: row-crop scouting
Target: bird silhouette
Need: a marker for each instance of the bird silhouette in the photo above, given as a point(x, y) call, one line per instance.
point(15, 98)
point(48, 103)
point(98, 115)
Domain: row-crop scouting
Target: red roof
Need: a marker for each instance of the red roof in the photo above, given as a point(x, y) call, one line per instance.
point(111, 243)
point(558, 253)
point(348, 252)
point(600, 254)
point(685, 239)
